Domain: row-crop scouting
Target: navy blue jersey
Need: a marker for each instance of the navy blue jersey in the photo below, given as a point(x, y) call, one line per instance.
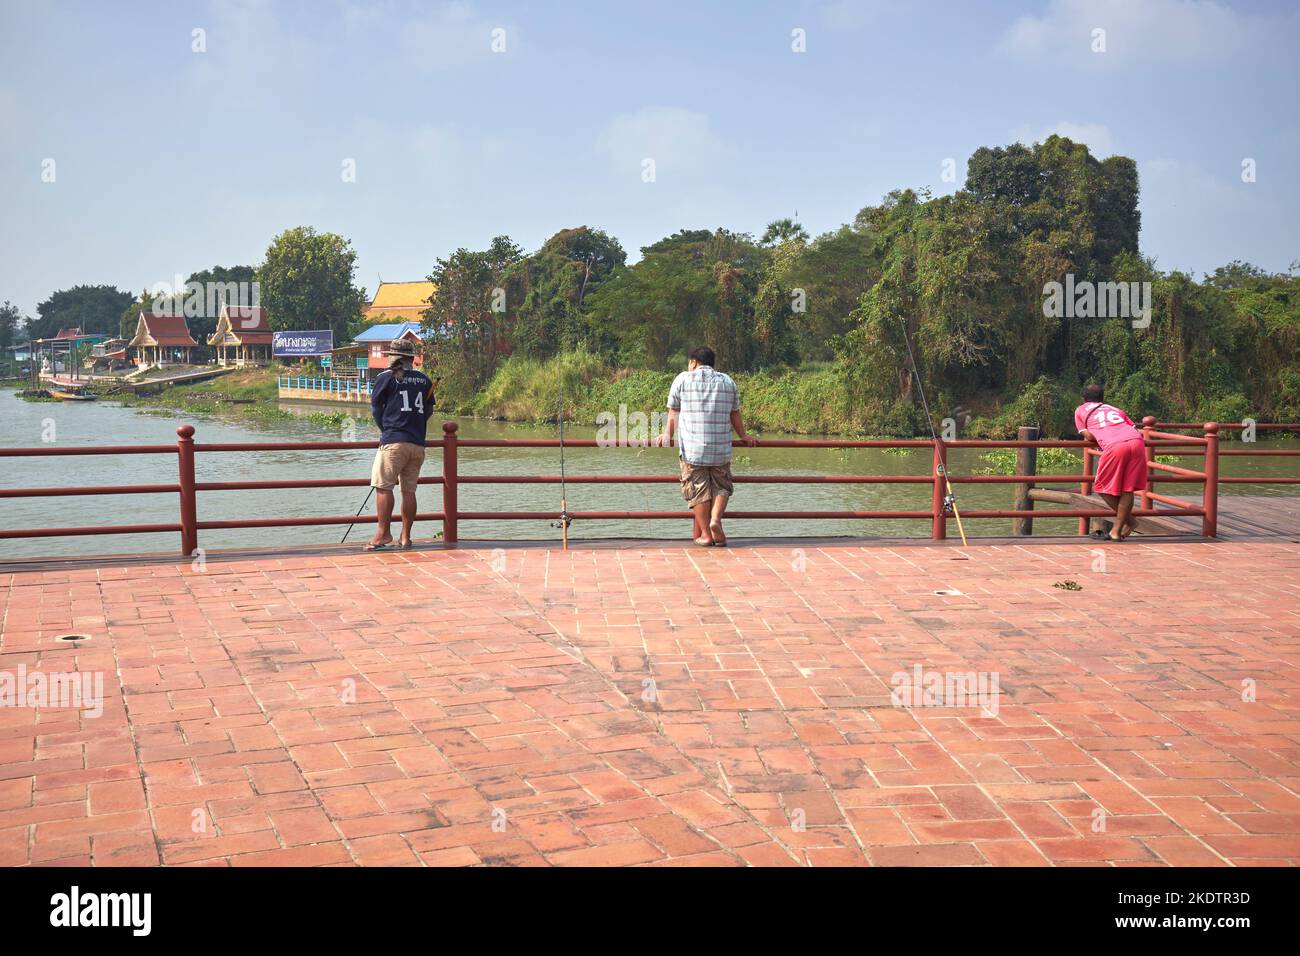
point(402, 409)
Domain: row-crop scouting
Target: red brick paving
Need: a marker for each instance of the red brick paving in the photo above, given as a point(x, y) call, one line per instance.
point(661, 706)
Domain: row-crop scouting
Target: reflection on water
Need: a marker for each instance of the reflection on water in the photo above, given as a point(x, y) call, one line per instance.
point(104, 423)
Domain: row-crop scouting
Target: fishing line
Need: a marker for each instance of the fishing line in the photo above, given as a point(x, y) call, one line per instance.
point(949, 499)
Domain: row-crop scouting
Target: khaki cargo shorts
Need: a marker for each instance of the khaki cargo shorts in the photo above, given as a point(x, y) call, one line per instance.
point(397, 463)
point(701, 483)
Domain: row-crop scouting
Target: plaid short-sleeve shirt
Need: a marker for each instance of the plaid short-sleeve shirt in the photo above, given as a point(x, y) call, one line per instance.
point(704, 400)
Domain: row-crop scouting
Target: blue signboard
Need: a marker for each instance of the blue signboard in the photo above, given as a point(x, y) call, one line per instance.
point(302, 343)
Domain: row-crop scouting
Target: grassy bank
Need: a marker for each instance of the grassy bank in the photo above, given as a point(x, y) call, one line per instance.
point(809, 401)
point(814, 399)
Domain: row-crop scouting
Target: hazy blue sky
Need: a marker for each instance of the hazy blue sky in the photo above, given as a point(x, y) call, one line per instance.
point(168, 160)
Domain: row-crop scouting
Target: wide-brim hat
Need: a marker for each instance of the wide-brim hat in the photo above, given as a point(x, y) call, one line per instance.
point(401, 347)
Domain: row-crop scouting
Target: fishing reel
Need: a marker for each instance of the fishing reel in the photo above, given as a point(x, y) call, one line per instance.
point(565, 520)
point(949, 503)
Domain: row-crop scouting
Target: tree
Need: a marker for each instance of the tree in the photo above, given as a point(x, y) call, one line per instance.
point(646, 312)
point(230, 284)
point(550, 318)
point(831, 274)
point(93, 309)
point(307, 281)
point(150, 301)
point(469, 318)
point(782, 230)
point(1009, 175)
point(694, 287)
point(778, 304)
point(1265, 349)
point(11, 324)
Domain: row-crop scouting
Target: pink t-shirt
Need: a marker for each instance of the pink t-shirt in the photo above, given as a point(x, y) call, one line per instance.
point(1108, 424)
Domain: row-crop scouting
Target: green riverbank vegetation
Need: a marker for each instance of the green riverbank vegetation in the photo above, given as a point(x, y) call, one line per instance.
point(816, 330)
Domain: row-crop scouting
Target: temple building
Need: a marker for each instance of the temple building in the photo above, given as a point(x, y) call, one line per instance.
point(243, 336)
point(399, 302)
point(162, 339)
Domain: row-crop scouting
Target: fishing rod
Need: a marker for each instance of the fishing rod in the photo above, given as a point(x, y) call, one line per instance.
point(565, 519)
point(949, 499)
point(359, 510)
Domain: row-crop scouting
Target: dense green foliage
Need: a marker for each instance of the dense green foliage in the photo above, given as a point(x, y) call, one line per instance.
point(239, 281)
point(11, 322)
point(307, 282)
point(92, 308)
point(819, 329)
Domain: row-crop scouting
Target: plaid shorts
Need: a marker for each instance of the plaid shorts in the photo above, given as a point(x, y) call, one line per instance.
point(701, 483)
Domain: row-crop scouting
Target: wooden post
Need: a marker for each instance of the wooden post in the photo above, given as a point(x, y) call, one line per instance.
point(1026, 464)
point(1210, 496)
point(1085, 487)
point(189, 502)
point(1144, 500)
point(939, 522)
point(449, 507)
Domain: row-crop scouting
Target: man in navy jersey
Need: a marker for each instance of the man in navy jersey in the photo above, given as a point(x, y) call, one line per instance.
point(401, 402)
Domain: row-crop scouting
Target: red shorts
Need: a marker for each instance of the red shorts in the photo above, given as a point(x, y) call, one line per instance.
point(1123, 468)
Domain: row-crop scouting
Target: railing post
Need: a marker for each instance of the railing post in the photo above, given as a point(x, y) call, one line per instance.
point(1085, 488)
point(1026, 464)
point(449, 482)
point(1148, 425)
point(1210, 497)
point(189, 503)
point(939, 522)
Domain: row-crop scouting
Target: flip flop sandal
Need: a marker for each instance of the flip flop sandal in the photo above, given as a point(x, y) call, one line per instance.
point(379, 547)
point(703, 544)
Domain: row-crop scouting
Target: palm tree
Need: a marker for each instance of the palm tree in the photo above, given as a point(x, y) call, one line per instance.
point(783, 230)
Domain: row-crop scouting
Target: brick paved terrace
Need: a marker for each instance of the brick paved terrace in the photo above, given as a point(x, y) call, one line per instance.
point(655, 705)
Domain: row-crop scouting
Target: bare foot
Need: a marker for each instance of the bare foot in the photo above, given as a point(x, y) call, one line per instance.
point(704, 542)
point(377, 543)
point(715, 529)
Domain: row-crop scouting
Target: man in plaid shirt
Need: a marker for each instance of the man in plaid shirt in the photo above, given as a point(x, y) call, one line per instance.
point(703, 407)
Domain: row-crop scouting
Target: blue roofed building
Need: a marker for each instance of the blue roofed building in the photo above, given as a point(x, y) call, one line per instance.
point(376, 339)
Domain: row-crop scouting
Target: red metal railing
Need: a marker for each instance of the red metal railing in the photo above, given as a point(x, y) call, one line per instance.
point(1241, 452)
point(187, 487)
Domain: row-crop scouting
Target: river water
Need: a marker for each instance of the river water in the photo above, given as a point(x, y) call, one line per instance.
point(27, 424)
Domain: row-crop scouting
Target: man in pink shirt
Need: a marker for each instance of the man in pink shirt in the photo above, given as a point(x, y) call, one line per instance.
point(1123, 466)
